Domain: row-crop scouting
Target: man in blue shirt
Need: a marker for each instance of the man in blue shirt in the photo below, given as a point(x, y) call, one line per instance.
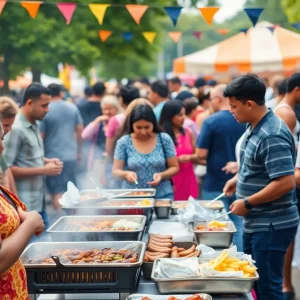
point(265, 183)
point(158, 96)
point(216, 143)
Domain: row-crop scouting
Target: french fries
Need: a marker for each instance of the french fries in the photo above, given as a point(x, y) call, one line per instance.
point(225, 263)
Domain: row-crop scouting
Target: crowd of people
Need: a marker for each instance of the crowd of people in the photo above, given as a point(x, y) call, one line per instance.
point(240, 139)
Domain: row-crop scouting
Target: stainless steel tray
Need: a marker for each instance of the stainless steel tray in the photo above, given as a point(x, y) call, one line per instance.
point(68, 229)
point(174, 209)
point(215, 285)
point(217, 206)
point(163, 212)
point(166, 297)
point(218, 239)
point(44, 249)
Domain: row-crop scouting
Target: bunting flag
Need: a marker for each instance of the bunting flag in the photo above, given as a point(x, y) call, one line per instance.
point(2, 4)
point(32, 7)
point(127, 36)
point(173, 13)
point(136, 11)
point(296, 26)
point(197, 35)
point(223, 31)
point(244, 30)
point(104, 35)
point(208, 13)
point(272, 28)
point(67, 10)
point(99, 11)
point(149, 36)
point(175, 36)
point(253, 14)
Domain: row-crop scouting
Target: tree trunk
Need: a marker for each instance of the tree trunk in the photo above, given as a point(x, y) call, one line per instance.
point(36, 75)
point(4, 75)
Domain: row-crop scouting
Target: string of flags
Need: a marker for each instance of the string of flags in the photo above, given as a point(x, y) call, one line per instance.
point(137, 11)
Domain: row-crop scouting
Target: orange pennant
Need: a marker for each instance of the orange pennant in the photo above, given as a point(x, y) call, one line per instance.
point(208, 13)
point(104, 35)
point(223, 31)
point(32, 7)
point(2, 4)
point(136, 11)
point(175, 36)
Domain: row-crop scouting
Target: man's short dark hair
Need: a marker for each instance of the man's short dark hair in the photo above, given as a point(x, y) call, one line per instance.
point(129, 94)
point(99, 89)
point(34, 92)
point(247, 87)
point(293, 82)
point(200, 82)
point(161, 88)
point(88, 91)
point(175, 80)
point(55, 89)
point(281, 87)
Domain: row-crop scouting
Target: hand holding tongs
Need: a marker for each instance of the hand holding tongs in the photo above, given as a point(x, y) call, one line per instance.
point(216, 199)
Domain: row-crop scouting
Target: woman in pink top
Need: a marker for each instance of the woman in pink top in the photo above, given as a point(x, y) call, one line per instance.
point(172, 119)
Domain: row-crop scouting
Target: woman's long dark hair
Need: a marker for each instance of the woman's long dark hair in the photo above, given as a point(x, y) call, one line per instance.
point(170, 110)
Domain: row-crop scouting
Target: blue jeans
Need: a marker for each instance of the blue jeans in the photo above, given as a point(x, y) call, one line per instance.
point(268, 249)
point(238, 221)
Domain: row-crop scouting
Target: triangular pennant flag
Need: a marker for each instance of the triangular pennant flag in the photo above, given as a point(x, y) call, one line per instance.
point(32, 7)
point(244, 30)
point(173, 13)
point(175, 36)
point(99, 11)
point(296, 26)
point(104, 35)
point(67, 9)
point(223, 31)
point(197, 34)
point(149, 36)
point(253, 14)
point(127, 36)
point(136, 11)
point(208, 13)
point(2, 4)
point(272, 28)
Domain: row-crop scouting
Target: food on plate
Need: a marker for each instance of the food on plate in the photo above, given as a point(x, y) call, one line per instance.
point(162, 203)
point(162, 246)
point(212, 226)
point(179, 204)
point(93, 256)
point(225, 263)
point(140, 193)
point(193, 297)
point(144, 202)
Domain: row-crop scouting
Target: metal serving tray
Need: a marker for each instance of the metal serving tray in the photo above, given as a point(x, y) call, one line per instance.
point(217, 206)
point(165, 297)
point(216, 285)
point(132, 193)
point(163, 212)
point(90, 210)
point(174, 209)
point(68, 229)
point(217, 239)
point(45, 248)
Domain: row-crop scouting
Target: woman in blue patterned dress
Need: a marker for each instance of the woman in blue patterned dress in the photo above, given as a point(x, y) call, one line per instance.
point(145, 157)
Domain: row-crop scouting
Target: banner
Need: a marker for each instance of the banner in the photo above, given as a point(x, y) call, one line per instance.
point(32, 7)
point(99, 11)
point(149, 36)
point(197, 35)
point(67, 10)
point(175, 36)
point(244, 30)
point(296, 26)
point(208, 13)
point(136, 11)
point(104, 35)
point(253, 14)
point(127, 36)
point(223, 31)
point(173, 13)
point(2, 4)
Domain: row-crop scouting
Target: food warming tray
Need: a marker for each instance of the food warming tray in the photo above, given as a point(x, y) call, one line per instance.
point(113, 210)
point(217, 239)
point(94, 278)
point(68, 229)
point(165, 297)
point(216, 285)
point(217, 206)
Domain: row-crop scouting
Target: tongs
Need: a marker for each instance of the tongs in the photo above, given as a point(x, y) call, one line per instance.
point(216, 199)
point(219, 216)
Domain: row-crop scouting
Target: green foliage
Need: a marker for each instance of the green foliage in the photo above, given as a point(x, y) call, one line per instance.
point(292, 8)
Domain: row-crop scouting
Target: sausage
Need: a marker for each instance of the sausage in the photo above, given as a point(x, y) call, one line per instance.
point(146, 259)
point(181, 249)
point(153, 253)
point(153, 258)
point(161, 240)
point(158, 249)
point(194, 254)
point(166, 237)
point(174, 253)
point(194, 297)
point(188, 251)
point(155, 246)
point(163, 245)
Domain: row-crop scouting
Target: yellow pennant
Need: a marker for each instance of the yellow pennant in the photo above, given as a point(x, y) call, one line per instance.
point(149, 36)
point(99, 11)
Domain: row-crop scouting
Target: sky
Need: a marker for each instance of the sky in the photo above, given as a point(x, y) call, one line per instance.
point(229, 8)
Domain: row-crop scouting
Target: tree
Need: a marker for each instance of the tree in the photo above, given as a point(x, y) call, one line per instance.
point(292, 8)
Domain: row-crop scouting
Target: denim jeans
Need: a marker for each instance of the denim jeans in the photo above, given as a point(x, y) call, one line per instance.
point(268, 249)
point(238, 221)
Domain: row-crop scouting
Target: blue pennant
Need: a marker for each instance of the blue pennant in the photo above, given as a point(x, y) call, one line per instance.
point(127, 36)
point(296, 26)
point(271, 28)
point(253, 14)
point(245, 30)
point(173, 13)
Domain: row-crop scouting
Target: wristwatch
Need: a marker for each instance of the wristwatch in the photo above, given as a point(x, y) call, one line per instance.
point(247, 204)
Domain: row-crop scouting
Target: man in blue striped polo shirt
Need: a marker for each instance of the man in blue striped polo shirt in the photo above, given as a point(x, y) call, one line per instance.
point(265, 183)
